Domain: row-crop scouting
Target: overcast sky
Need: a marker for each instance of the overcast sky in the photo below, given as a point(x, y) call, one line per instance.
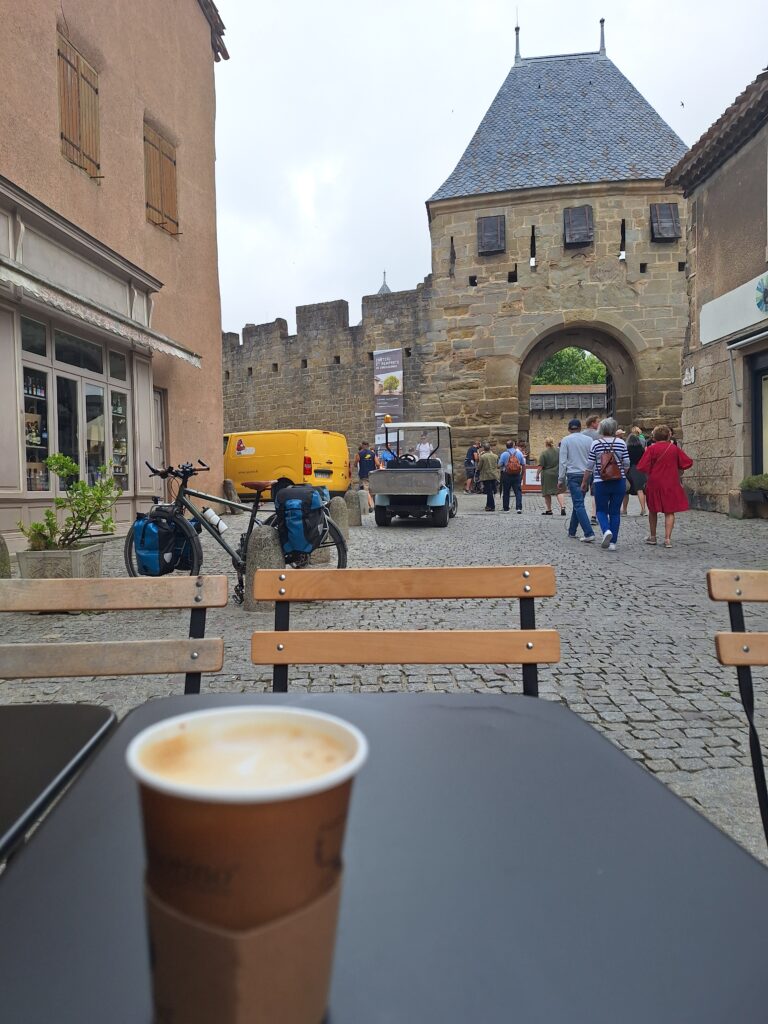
point(336, 121)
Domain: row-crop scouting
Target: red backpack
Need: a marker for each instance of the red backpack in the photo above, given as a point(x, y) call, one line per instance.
point(512, 465)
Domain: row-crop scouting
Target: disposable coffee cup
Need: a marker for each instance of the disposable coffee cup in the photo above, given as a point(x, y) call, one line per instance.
point(244, 810)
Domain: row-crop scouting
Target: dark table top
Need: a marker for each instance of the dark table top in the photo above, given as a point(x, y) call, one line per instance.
point(41, 748)
point(504, 862)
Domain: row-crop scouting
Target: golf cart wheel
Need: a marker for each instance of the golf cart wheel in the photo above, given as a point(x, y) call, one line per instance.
point(454, 507)
point(440, 515)
point(381, 515)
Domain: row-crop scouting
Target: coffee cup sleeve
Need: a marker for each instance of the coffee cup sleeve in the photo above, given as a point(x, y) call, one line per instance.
point(280, 971)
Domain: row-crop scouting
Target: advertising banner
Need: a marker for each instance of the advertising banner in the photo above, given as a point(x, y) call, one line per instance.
point(387, 387)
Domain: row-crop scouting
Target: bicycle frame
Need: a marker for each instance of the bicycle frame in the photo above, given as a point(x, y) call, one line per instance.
point(181, 501)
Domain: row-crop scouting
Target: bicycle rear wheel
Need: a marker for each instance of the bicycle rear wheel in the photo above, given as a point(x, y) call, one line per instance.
point(333, 542)
point(193, 545)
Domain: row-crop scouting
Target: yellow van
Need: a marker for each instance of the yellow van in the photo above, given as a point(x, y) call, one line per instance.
point(317, 457)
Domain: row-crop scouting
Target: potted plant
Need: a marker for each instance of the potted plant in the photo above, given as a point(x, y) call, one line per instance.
point(754, 488)
point(62, 550)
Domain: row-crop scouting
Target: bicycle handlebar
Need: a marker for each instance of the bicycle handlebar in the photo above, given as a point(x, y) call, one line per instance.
point(182, 472)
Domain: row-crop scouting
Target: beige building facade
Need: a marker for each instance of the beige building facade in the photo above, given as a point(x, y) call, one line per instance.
point(110, 334)
point(725, 363)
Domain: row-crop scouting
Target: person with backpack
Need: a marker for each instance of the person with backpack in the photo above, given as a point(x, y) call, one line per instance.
point(365, 463)
point(511, 466)
point(607, 466)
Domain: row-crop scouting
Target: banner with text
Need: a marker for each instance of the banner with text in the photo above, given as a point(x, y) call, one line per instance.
point(387, 387)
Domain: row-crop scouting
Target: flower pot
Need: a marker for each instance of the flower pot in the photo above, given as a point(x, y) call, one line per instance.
point(61, 564)
point(757, 495)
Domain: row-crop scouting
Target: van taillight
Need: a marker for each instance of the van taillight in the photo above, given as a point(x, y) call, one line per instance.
point(307, 466)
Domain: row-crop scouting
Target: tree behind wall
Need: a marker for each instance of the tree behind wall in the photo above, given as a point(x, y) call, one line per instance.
point(571, 366)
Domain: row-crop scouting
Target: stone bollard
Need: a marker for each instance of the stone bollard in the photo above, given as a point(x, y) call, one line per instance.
point(354, 515)
point(362, 497)
point(230, 493)
point(339, 512)
point(264, 552)
point(5, 560)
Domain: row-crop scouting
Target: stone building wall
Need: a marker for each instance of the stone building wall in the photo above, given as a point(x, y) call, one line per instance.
point(726, 247)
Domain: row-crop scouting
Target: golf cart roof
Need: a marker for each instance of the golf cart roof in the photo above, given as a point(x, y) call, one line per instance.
point(400, 426)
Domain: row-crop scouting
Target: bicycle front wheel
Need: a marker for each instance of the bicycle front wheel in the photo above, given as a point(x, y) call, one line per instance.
point(192, 545)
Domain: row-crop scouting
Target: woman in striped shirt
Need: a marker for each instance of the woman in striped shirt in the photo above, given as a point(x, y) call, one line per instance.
point(607, 466)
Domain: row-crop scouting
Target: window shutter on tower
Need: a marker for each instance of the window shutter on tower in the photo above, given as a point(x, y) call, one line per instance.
point(160, 181)
point(578, 228)
point(78, 109)
point(665, 222)
point(491, 235)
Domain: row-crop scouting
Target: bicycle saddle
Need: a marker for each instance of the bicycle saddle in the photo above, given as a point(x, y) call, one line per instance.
point(257, 485)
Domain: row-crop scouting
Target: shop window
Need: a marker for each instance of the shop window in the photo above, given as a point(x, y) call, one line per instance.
point(578, 226)
point(118, 366)
point(665, 222)
point(33, 338)
point(78, 109)
point(75, 352)
point(491, 235)
point(68, 418)
point(95, 432)
point(36, 428)
point(160, 181)
point(120, 451)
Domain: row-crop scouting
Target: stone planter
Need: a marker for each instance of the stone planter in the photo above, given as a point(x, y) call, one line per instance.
point(61, 564)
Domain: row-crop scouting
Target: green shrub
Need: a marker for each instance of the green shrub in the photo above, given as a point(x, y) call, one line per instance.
point(759, 482)
point(88, 505)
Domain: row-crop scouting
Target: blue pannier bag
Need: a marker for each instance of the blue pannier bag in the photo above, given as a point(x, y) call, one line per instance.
point(154, 542)
point(183, 548)
point(299, 511)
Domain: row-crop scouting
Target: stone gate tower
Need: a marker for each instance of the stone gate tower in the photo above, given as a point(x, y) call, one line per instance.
point(555, 229)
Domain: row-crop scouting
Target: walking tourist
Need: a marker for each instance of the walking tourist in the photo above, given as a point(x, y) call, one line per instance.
point(470, 465)
point(574, 462)
point(664, 462)
point(636, 478)
point(608, 464)
point(365, 462)
point(547, 473)
point(511, 467)
point(488, 472)
point(590, 429)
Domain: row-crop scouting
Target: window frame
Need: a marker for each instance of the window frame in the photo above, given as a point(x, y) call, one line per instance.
point(500, 245)
point(161, 196)
point(78, 109)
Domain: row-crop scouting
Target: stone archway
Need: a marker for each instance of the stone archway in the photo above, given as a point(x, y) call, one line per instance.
point(621, 385)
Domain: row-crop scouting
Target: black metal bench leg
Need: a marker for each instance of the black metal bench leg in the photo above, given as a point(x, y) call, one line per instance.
point(282, 623)
point(746, 692)
point(196, 632)
point(530, 672)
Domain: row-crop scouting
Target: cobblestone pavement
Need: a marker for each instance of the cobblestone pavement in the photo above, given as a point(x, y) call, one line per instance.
point(636, 626)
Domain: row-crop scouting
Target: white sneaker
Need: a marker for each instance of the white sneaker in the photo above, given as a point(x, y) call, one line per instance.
point(611, 547)
point(588, 540)
point(607, 538)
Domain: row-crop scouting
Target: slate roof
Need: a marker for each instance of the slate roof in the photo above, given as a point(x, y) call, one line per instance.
point(732, 130)
point(564, 120)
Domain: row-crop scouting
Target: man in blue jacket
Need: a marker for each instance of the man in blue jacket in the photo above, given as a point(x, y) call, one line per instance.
point(511, 466)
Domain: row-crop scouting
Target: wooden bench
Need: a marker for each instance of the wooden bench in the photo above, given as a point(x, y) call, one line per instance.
point(741, 650)
point(192, 656)
point(527, 646)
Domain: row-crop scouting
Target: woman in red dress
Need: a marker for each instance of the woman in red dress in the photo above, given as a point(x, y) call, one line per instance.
point(664, 463)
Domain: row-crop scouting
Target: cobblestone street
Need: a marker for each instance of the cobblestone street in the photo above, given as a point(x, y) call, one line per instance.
point(636, 626)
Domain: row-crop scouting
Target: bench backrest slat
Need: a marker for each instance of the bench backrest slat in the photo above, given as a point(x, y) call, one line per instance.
point(407, 647)
point(742, 648)
point(104, 594)
point(405, 584)
point(114, 658)
point(738, 584)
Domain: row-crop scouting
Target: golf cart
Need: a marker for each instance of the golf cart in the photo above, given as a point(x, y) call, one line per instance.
point(418, 480)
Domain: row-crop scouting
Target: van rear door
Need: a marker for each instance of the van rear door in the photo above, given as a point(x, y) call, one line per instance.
point(330, 459)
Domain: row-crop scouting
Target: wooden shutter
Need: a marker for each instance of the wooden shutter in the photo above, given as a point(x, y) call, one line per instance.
point(578, 227)
point(665, 222)
point(491, 235)
point(160, 181)
point(78, 109)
